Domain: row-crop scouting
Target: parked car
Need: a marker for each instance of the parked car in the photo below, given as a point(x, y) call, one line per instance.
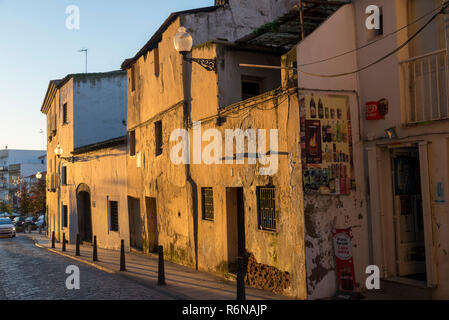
point(7, 228)
point(30, 221)
point(41, 221)
point(19, 222)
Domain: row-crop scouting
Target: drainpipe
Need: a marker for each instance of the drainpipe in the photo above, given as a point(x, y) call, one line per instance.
point(187, 107)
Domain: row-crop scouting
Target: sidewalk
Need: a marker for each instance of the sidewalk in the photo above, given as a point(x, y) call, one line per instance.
point(183, 283)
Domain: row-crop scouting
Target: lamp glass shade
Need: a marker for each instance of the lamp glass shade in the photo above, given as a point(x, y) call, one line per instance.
point(183, 41)
point(58, 150)
point(38, 176)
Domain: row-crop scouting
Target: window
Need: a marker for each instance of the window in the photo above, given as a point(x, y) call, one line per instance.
point(251, 87)
point(132, 143)
point(266, 208)
point(133, 78)
point(64, 114)
point(207, 197)
point(156, 62)
point(64, 176)
point(113, 213)
point(158, 137)
point(65, 216)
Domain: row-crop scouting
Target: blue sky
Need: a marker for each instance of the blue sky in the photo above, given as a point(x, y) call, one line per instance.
point(36, 47)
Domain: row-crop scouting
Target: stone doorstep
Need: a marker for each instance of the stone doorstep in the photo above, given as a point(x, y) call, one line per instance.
point(178, 271)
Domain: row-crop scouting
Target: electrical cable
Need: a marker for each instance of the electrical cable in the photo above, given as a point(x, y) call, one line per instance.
point(375, 41)
point(380, 59)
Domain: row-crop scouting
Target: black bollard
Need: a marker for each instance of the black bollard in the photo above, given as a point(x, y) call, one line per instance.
point(63, 242)
point(78, 245)
point(122, 256)
point(161, 270)
point(53, 240)
point(240, 280)
point(95, 257)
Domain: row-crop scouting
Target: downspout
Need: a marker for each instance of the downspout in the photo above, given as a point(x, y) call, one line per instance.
point(187, 107)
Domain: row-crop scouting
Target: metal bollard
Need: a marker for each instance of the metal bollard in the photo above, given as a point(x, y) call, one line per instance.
point(29, 228)
point(161, 270)
point(63, 242)
point(122, 256)
point(53, 240)
point(240, 280)
point(78, 245)
point(95, 257)
point(40, 229)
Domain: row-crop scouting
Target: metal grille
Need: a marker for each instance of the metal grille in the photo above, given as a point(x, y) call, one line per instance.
point(65, 212)
point(266, 204)
point(207, 195)
point(113, 207)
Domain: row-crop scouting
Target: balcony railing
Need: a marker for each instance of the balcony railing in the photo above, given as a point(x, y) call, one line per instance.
point(426, 80)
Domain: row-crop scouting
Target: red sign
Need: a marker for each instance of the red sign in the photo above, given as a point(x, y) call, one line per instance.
point(372, 111)
point(343, 260)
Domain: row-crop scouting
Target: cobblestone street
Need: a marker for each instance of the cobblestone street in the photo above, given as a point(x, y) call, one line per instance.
point(31, 273)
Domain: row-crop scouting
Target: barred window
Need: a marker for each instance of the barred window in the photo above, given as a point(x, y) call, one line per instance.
point(113, 209)
point(266, 208)
point(207, 195)
point(65, 216)
point(64, 176)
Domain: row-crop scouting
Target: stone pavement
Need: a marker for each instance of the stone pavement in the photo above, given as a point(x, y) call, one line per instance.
point(182, 282)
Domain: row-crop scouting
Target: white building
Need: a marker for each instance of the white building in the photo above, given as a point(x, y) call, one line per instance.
point(86, 122)
point(15, 164)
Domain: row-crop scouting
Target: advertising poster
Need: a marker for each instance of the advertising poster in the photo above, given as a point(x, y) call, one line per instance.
point(326, 143)
point(344, 261)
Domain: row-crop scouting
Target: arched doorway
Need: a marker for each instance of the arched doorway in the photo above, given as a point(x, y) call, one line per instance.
point(84, 213)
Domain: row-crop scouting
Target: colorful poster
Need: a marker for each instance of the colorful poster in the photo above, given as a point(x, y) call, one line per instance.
point(326, 142)
point(344, 261)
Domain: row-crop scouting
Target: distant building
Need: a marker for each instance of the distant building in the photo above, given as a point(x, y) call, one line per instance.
point(16, 164)
point(86, 184)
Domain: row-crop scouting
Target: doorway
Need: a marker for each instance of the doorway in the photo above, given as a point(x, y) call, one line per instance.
point(152, 233)
point(408, 214)
point(135, 224)
point(84, 213)
point(235, 217)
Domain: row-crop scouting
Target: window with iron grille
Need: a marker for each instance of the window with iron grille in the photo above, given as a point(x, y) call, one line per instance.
point(207, 195)
point(65, 216)
point(113, 209)
point(266, 208)
point(132, 143)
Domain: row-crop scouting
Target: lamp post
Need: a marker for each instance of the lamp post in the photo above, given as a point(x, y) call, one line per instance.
point(58, 152)
point(183, 42)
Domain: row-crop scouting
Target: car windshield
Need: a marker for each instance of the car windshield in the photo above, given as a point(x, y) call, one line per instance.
point(5, 221)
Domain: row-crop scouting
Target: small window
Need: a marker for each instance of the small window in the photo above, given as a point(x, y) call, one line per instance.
point(133, 78)
point(158, 137)
point(251, 87)
point(266, 208)
point(64, 114)
point(207, 196)
point(64, 175)
point(65, 216)
point(156, 62)
point(113, 212)
point(132, 143)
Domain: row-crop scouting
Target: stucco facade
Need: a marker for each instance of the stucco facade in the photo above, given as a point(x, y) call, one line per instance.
point(86, 118)
point(407, 230)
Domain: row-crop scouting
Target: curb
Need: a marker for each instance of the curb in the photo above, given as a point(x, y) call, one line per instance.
point(94, 265)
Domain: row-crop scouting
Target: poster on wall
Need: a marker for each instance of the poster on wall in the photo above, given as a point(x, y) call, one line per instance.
point(326, 143)
point(344, 261)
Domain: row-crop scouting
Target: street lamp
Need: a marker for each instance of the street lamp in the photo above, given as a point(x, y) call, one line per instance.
point(58, 151)
point(183, 42)
point(38, 176)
